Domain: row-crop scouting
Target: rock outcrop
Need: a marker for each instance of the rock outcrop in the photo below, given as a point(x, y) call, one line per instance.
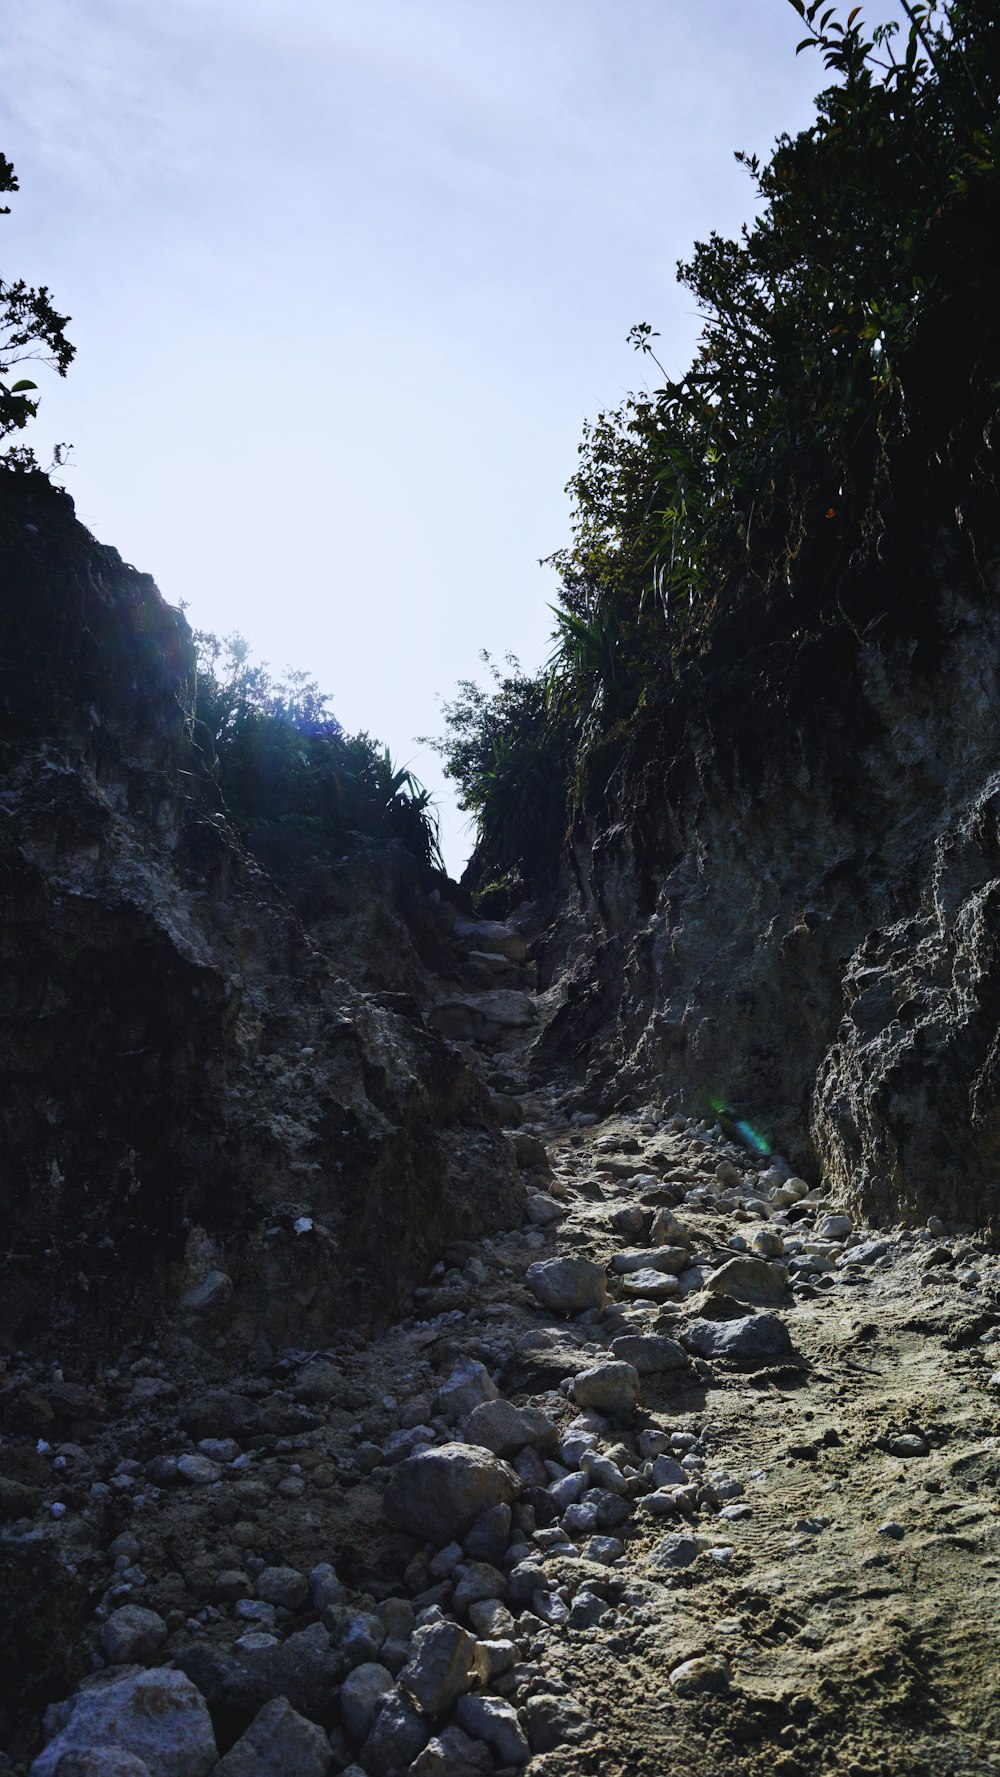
point(791, 917)
point(209, 1106)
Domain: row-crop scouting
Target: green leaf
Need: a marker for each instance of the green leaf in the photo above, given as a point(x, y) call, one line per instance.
point(17, 388)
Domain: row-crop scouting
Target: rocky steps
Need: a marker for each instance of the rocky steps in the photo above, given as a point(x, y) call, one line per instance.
point(689, 1469)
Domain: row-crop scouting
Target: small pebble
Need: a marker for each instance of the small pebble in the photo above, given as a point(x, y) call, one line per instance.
point(709, 1674)
point(908, 1444)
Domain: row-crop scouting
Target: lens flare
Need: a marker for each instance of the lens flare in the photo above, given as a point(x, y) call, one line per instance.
point(751, 1137)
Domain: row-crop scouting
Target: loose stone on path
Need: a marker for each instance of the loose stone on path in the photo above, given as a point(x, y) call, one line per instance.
point(440, 1493)
point(754, 1336)
point(567, 1285)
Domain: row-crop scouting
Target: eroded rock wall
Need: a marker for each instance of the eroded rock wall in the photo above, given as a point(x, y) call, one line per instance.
point(196, 1086)
point(797, 920)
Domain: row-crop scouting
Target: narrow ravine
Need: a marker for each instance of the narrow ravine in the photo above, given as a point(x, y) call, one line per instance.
point(687, 1470)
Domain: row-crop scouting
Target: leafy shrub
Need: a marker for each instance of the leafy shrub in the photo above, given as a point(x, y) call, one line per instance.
point(509, 755)
point(707, 491)
point(298, 788)
point(850, 346)
point(784, 424)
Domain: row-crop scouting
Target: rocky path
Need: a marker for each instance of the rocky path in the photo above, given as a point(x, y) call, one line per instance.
point(684, 1471)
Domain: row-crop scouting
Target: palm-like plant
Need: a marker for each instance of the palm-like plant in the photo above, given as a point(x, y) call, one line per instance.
point(295, 784)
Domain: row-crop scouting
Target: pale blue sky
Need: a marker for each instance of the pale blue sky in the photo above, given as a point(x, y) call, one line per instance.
point(346, 278)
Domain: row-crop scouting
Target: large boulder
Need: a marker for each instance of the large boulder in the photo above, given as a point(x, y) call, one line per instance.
point(653, 1286)
point(398, 1734)
point(158, 1716)
point(469, 1383)
point(361, 1697)
point(453, 1754)
point(440, 1666)
point(749, 1278)
point(567, 1285)
point(439, 1493)
point(609, 1387)
point(132, 1636)
point(657, 1258)
point(649, 1353)
point(494, 1721)
point(503, 1428)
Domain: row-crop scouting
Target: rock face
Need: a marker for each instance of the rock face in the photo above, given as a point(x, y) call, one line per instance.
point(197, 1104)
point(907, 1100)
point(45, 1607)
point(484, 1017)
point(791, 909)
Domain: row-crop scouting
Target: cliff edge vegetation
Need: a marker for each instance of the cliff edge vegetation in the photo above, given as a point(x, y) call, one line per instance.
point(766, 509)
point(773, 685)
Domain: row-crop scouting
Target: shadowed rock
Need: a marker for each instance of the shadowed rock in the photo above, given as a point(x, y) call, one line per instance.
point(440, 1493)
point(755, 1336)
